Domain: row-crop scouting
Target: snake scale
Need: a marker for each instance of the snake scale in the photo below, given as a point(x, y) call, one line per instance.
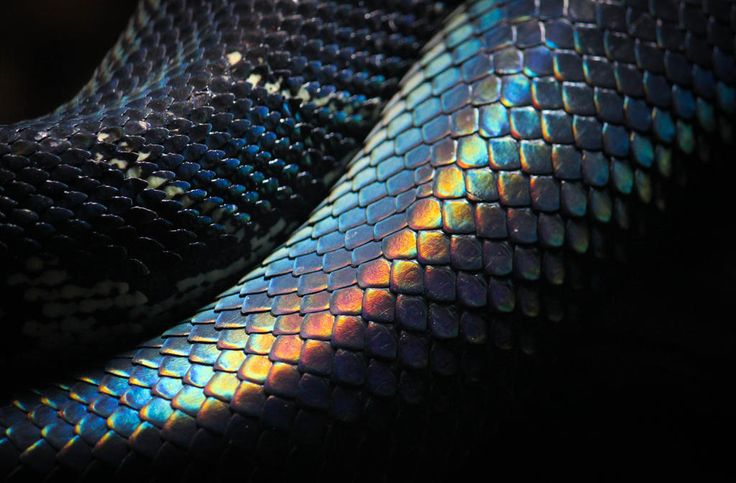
point(526, 135)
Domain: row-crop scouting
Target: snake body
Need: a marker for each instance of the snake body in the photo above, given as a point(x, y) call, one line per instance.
point(526, 133)
point(209, 131)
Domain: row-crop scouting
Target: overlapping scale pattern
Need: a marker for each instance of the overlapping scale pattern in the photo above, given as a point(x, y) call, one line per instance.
point(210, 130)
point(526, 128)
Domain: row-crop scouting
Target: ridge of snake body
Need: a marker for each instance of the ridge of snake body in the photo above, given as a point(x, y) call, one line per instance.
point(208, 132)
point(526, 129)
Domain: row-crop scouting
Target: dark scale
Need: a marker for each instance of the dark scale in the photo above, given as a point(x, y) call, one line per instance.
point(207, 133)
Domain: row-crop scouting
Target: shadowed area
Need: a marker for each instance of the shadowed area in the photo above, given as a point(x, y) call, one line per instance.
point(48, 50)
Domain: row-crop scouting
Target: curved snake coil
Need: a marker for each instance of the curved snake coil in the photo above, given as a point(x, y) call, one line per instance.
point(208, 133)
point(524, 132)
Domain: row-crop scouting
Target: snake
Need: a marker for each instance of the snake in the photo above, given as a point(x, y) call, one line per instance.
point(523, 136)
point(209, 130)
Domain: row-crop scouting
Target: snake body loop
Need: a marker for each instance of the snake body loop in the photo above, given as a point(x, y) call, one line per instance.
point(525, 135)
point(209, 131)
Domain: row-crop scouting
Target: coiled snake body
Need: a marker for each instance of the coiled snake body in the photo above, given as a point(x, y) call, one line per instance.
point(524, 132)
point(211, 129)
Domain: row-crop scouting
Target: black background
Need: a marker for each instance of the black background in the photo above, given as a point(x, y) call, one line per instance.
point(643, 379)
point(49, 49)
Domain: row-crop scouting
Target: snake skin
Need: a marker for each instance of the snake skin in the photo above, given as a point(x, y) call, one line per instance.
point(526, 131)
point(208, 133)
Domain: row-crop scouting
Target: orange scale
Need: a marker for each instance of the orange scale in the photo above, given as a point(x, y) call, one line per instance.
point(433, 247)
point(318, 326)
point(400, 245)
point(222, 386)
point(189, 399)
point(229, 361)
point(472, 152)
point(255, 369)
point(259, 344)
point(379, 305)
point(407, 277)
point(347, 301)
point(449, 182)
point(374, 273)
point(425, 214)
point(286, 349)
point(349, 332)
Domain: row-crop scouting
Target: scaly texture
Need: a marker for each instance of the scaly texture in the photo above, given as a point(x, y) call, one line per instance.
point(209, 131)
point(525, 130)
